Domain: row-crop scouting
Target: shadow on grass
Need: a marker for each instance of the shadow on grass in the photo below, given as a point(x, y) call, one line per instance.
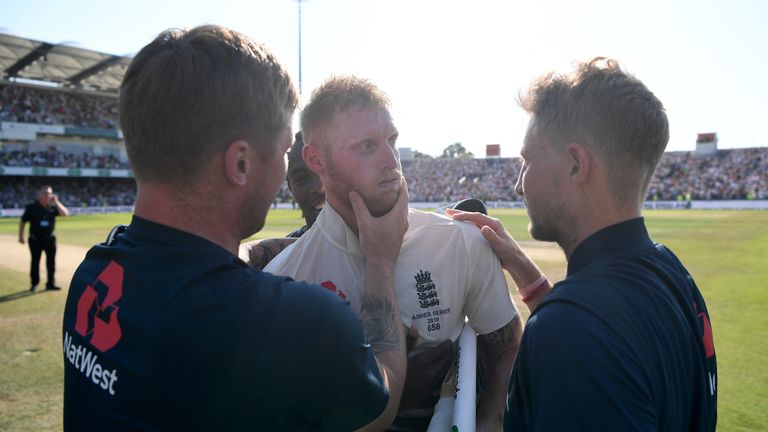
point(17, 295)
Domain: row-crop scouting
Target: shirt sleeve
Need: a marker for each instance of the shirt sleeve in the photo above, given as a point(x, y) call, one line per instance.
point(349, 390)
point(487, 302)
point(573, 374)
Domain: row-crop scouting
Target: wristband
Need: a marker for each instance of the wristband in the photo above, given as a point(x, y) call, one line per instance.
point(533, 289)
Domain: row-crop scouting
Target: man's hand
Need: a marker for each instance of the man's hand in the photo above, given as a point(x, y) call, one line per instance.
point(53, 200)
point(259, 253)
point(21, 239)
point(380, 241)
point(381, 237)
point(505, 247)
point(513, 258)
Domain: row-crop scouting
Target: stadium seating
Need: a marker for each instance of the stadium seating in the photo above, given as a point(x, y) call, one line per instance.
point(32, 105)
point(724, 175)
point(16, 192)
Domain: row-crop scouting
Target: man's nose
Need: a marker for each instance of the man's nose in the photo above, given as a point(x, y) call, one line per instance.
point(519, 184)
point(390, 156)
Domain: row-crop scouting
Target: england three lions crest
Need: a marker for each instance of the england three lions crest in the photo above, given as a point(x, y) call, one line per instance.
point(425, 289)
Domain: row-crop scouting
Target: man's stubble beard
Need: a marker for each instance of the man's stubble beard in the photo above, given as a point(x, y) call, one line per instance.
point(342, 186)
point(546, 222)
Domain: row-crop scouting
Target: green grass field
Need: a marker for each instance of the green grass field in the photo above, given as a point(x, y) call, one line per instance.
point(726, 251)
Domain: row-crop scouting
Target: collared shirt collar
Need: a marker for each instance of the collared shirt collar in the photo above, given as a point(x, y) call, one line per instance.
point(337, 232)
point(613, 240)
point(165, 234)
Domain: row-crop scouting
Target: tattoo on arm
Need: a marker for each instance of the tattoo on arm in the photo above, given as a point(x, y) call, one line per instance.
point(380, 323)
point(503, 335)
point(267, 254)
point(262, 253)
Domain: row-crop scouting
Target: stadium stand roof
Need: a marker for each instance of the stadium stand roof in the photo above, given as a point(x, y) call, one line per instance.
point(60, 63)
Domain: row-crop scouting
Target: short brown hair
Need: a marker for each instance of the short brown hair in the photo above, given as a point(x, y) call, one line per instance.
point(339, 94)
point(188, 94)
point(606, 109)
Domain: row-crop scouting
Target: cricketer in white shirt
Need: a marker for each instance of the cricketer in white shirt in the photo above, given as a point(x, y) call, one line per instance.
point(446, 271)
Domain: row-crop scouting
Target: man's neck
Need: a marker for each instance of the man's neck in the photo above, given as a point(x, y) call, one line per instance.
point(165, 205)
point(593, 221)
point(344, 209)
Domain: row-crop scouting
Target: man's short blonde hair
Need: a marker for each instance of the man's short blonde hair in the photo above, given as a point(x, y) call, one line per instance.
point(338, 94)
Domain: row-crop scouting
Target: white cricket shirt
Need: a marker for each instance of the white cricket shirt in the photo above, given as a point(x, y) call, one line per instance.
point(446, 271)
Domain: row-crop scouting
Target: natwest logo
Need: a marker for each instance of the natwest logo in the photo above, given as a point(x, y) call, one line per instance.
point(98, 318)
point(332, 287)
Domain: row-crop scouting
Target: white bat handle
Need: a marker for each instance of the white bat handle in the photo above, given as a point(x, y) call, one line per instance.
point(466, 383)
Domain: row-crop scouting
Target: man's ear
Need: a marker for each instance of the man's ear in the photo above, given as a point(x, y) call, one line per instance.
point(237, 163)
point(579, 159)
point(313, 159)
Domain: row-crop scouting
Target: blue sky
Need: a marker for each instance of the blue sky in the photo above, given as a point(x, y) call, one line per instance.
point(454, 68)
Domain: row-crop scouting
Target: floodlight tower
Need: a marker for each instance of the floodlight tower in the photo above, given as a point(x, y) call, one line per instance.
point(299, 2)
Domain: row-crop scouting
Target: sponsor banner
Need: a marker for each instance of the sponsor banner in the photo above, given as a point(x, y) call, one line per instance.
point(74, 211)
point(731, 205)
point(33, 128)
point(709, 205)
point(100, 210)
point(65, 172)
point(696, 205)
point(21, 135)
point(11, 212)
point(91, 132)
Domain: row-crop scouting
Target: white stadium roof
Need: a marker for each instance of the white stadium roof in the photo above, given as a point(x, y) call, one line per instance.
point(59, 63)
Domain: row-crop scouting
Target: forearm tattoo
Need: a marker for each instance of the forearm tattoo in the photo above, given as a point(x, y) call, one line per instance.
point(503, 335)
point(382, 326)
point(262, 254)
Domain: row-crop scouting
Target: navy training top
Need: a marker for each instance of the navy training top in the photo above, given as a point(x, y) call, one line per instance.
point(623, 343)
point(164, 330)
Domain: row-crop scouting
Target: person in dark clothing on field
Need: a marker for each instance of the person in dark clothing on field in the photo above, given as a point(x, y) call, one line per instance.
point(41, 216)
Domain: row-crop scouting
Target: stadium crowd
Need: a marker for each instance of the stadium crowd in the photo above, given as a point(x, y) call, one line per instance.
point(444, 179)
point(31, 105)
point(724, 175)
point(17, 192)
point(53, 158)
